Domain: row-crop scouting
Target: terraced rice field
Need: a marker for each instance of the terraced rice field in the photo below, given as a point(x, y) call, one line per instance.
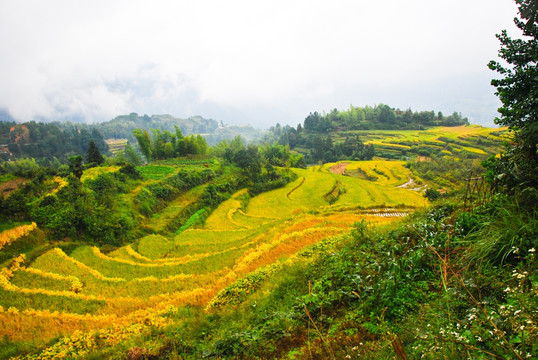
point(451, 141)
point(142, 285)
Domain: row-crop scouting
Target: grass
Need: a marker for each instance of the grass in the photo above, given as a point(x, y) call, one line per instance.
point(222, 217)
point(276, 204)
point(162, 221)
point(6, 177)
point(154, 246)
point(94, 172)
point(111, 268)
point(155, 172)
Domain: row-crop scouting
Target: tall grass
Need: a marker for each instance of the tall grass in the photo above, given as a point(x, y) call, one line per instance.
point(507, 233)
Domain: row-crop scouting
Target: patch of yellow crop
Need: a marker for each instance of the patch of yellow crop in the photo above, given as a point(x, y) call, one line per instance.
point(222, 217)
point(401, 138)
point(389, 173)
point(282, 203)
point(154, 246)
point(203, 241)
point(92, 173)
point(11, 235)
point(474, 150)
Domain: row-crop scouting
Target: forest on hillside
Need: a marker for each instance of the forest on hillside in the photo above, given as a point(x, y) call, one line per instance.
point(60, 140)
point(317, 139)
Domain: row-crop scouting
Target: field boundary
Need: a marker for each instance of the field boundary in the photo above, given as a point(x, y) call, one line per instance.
point(295, 188)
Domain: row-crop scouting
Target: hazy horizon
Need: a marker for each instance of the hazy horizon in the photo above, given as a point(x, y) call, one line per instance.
point(241, 62)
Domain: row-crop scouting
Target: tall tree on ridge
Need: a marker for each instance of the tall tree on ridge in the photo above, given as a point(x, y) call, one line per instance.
point(517, 170)
point(94, 155)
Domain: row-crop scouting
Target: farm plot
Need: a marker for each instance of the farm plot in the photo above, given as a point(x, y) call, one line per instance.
point(144, 282)
point(450, 140)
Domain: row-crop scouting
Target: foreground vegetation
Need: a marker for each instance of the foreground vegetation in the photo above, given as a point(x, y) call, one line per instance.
point(443, 283)
point(423, 288)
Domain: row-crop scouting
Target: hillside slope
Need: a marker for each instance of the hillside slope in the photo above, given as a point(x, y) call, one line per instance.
point(147, 283)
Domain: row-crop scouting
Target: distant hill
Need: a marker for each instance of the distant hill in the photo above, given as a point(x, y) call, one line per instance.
point(46, 140)
point(62, 139)
point(121, 127)
point(360, 133)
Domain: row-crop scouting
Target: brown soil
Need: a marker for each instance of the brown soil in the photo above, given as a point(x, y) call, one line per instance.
point(9, 186)
point(339, 169)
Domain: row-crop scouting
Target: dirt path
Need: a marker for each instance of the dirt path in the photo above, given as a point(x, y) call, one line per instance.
point(339, 169)
point(408, 184)
point(411, 185)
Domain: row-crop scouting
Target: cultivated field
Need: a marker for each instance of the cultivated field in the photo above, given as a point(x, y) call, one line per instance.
point(92, 296)
point(452, 141)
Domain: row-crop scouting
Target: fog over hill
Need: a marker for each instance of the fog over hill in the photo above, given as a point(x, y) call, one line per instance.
point(245, 62)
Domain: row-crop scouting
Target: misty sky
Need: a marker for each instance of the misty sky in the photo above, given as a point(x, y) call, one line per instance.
point(247, 62)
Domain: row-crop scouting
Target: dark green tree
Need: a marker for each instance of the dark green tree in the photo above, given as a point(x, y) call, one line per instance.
point(75, 166)
point(249, 160)
point(93, 155)
point(517, 170)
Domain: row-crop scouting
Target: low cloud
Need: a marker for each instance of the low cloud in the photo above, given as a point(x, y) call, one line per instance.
point(246, 62)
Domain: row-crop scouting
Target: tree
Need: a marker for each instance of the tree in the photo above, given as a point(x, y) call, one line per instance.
point(75, 166)
point(517, 170)
point(249, 160)
point(144, 142)
point(132, 155)
point(93, 155)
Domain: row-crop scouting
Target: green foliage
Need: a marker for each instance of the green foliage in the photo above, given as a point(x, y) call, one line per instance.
point(130, 171)
point(48, 140)
point(144, 143)
point(505, 234)
point(165, 145)
point(75, 166)
point(25, 167)
point(378, 117)
point(93, 155)
point(268, 182)
point(194, 219)
point(432, 194)
point(132, 155)
point(517, 169)
point(155, 195)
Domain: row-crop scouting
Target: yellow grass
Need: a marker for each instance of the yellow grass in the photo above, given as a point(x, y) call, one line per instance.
point(92, 173)
point(11, 235)
point(222, 217)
